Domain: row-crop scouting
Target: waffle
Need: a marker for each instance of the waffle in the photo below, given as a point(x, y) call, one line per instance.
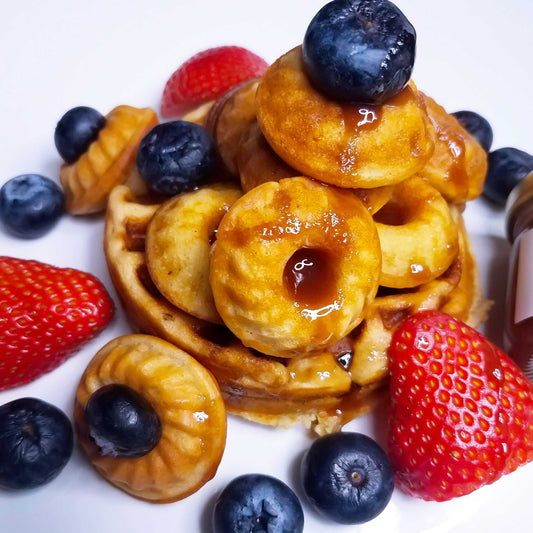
point(322, 390)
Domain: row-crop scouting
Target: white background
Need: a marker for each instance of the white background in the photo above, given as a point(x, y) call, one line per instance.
point(472, 54)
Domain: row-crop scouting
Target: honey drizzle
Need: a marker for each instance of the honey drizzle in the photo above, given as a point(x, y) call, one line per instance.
point(456, 147)
point(334, 229)
point(310, 277)
point(359, 119)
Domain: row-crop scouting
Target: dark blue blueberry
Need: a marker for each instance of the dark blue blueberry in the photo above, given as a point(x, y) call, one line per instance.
point(359, 50)
point(176, 156)
point(256, 503)
point(507, 166)
point(30, 205)
point(477, 126)
point(76, 130)
point(347, 477)
point(36, 442)
point(121, 422)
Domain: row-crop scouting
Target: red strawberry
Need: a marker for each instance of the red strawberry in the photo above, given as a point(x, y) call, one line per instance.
point(517, 401)
point(461, 411)
point(207, 75)
point(46, 314)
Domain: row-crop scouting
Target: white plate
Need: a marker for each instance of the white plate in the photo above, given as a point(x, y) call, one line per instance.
point(473, 54)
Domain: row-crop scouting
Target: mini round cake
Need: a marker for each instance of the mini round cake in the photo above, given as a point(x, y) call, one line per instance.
point(258, 163)
point(289, 275)
point(417, 234)
point(178, 245)
point(345, 144)
point(229, 118)
point(109, 161)
point(186, 401)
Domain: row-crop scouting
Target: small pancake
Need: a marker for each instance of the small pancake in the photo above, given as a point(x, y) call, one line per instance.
point(109, 161)
point(229, 119)
point(417, 234)
point(290, 276)
point(258, 163)
point(347, 145)
point(178, 245)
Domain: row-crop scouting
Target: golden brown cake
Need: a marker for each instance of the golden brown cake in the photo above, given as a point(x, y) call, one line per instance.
point(292, 275)
point(109, 161)
point(257, 162)
point(417, 234)
point(187, 401)
point(178, 246)
point(342, 144)
point(229, 119)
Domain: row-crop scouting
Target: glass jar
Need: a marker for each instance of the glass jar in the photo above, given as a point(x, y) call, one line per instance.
point(518, 333)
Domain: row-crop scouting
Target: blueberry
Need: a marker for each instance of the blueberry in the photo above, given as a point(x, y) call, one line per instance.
point(76, 130)
point(121, 422)
point(36, 442)
point(347, 477)
point(257, 503)
point(507, 166)
point(30, 205)
point(359, 50)
point(176, 156)
point(477, 126)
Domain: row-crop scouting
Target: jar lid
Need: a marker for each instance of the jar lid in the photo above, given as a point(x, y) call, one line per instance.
point(519, 197)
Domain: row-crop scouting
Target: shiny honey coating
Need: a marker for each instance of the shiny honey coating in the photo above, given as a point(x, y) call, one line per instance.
point(458, 166)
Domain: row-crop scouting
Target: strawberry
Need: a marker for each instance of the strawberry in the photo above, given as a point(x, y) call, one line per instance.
point(46, 314)
point(517, 401)
point(461, 410)
point(207, 75)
